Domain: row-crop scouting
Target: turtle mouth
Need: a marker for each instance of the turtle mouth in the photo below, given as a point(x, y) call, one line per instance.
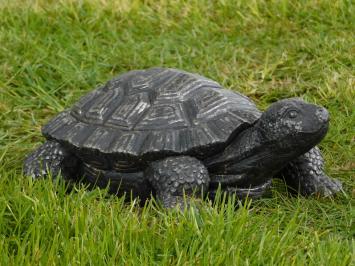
point(300, 142)
point(307, 139)
point(319, 134)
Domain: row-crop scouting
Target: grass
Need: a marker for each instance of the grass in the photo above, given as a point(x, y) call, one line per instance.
point(52, 52)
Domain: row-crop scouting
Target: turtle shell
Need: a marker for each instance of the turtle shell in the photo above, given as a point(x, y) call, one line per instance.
point(153, 113)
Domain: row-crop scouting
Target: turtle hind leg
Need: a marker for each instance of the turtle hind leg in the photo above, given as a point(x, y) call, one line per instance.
point(51, 158)
point(174, 177)
point(306, 176)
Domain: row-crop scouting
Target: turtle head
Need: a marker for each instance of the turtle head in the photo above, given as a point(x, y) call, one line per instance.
point(292, 125)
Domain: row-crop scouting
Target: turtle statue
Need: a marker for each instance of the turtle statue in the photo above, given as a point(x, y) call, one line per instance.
point(169, 133)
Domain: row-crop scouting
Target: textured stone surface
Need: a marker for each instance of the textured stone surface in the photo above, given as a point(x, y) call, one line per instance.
point(251, 192)
point(174, 176)
point(132, 185)
point(154, 112)
point(166, 132)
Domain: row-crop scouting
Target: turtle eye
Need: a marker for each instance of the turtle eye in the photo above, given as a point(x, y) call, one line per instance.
point(292, 114)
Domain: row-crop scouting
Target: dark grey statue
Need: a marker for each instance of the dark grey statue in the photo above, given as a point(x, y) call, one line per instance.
point(166, 132)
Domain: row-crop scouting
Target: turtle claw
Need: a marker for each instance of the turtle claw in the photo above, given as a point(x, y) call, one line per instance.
point(327, 186)
point(171, 202)
point(322, 186)
point(180, 203)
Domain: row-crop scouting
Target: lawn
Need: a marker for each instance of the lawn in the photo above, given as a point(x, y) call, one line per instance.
point(52, 52)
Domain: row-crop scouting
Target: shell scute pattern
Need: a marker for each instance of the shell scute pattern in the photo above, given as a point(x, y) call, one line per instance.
point(166, 115)
point(172, 89)
point(162, 111)
point(127, 115)
point(78, 133)
point(79, 109)
point(100, 109)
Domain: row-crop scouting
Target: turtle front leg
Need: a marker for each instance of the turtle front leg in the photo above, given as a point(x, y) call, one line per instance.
point(51, 158)
point(306, 175)
point(175, 176)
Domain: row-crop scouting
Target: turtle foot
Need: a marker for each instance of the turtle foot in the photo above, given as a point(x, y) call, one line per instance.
point(305, 175)
point(175, 177)
point(50, 159)
point(323, 186)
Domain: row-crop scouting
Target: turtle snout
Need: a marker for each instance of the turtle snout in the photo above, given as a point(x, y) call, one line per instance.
point(322, 114)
